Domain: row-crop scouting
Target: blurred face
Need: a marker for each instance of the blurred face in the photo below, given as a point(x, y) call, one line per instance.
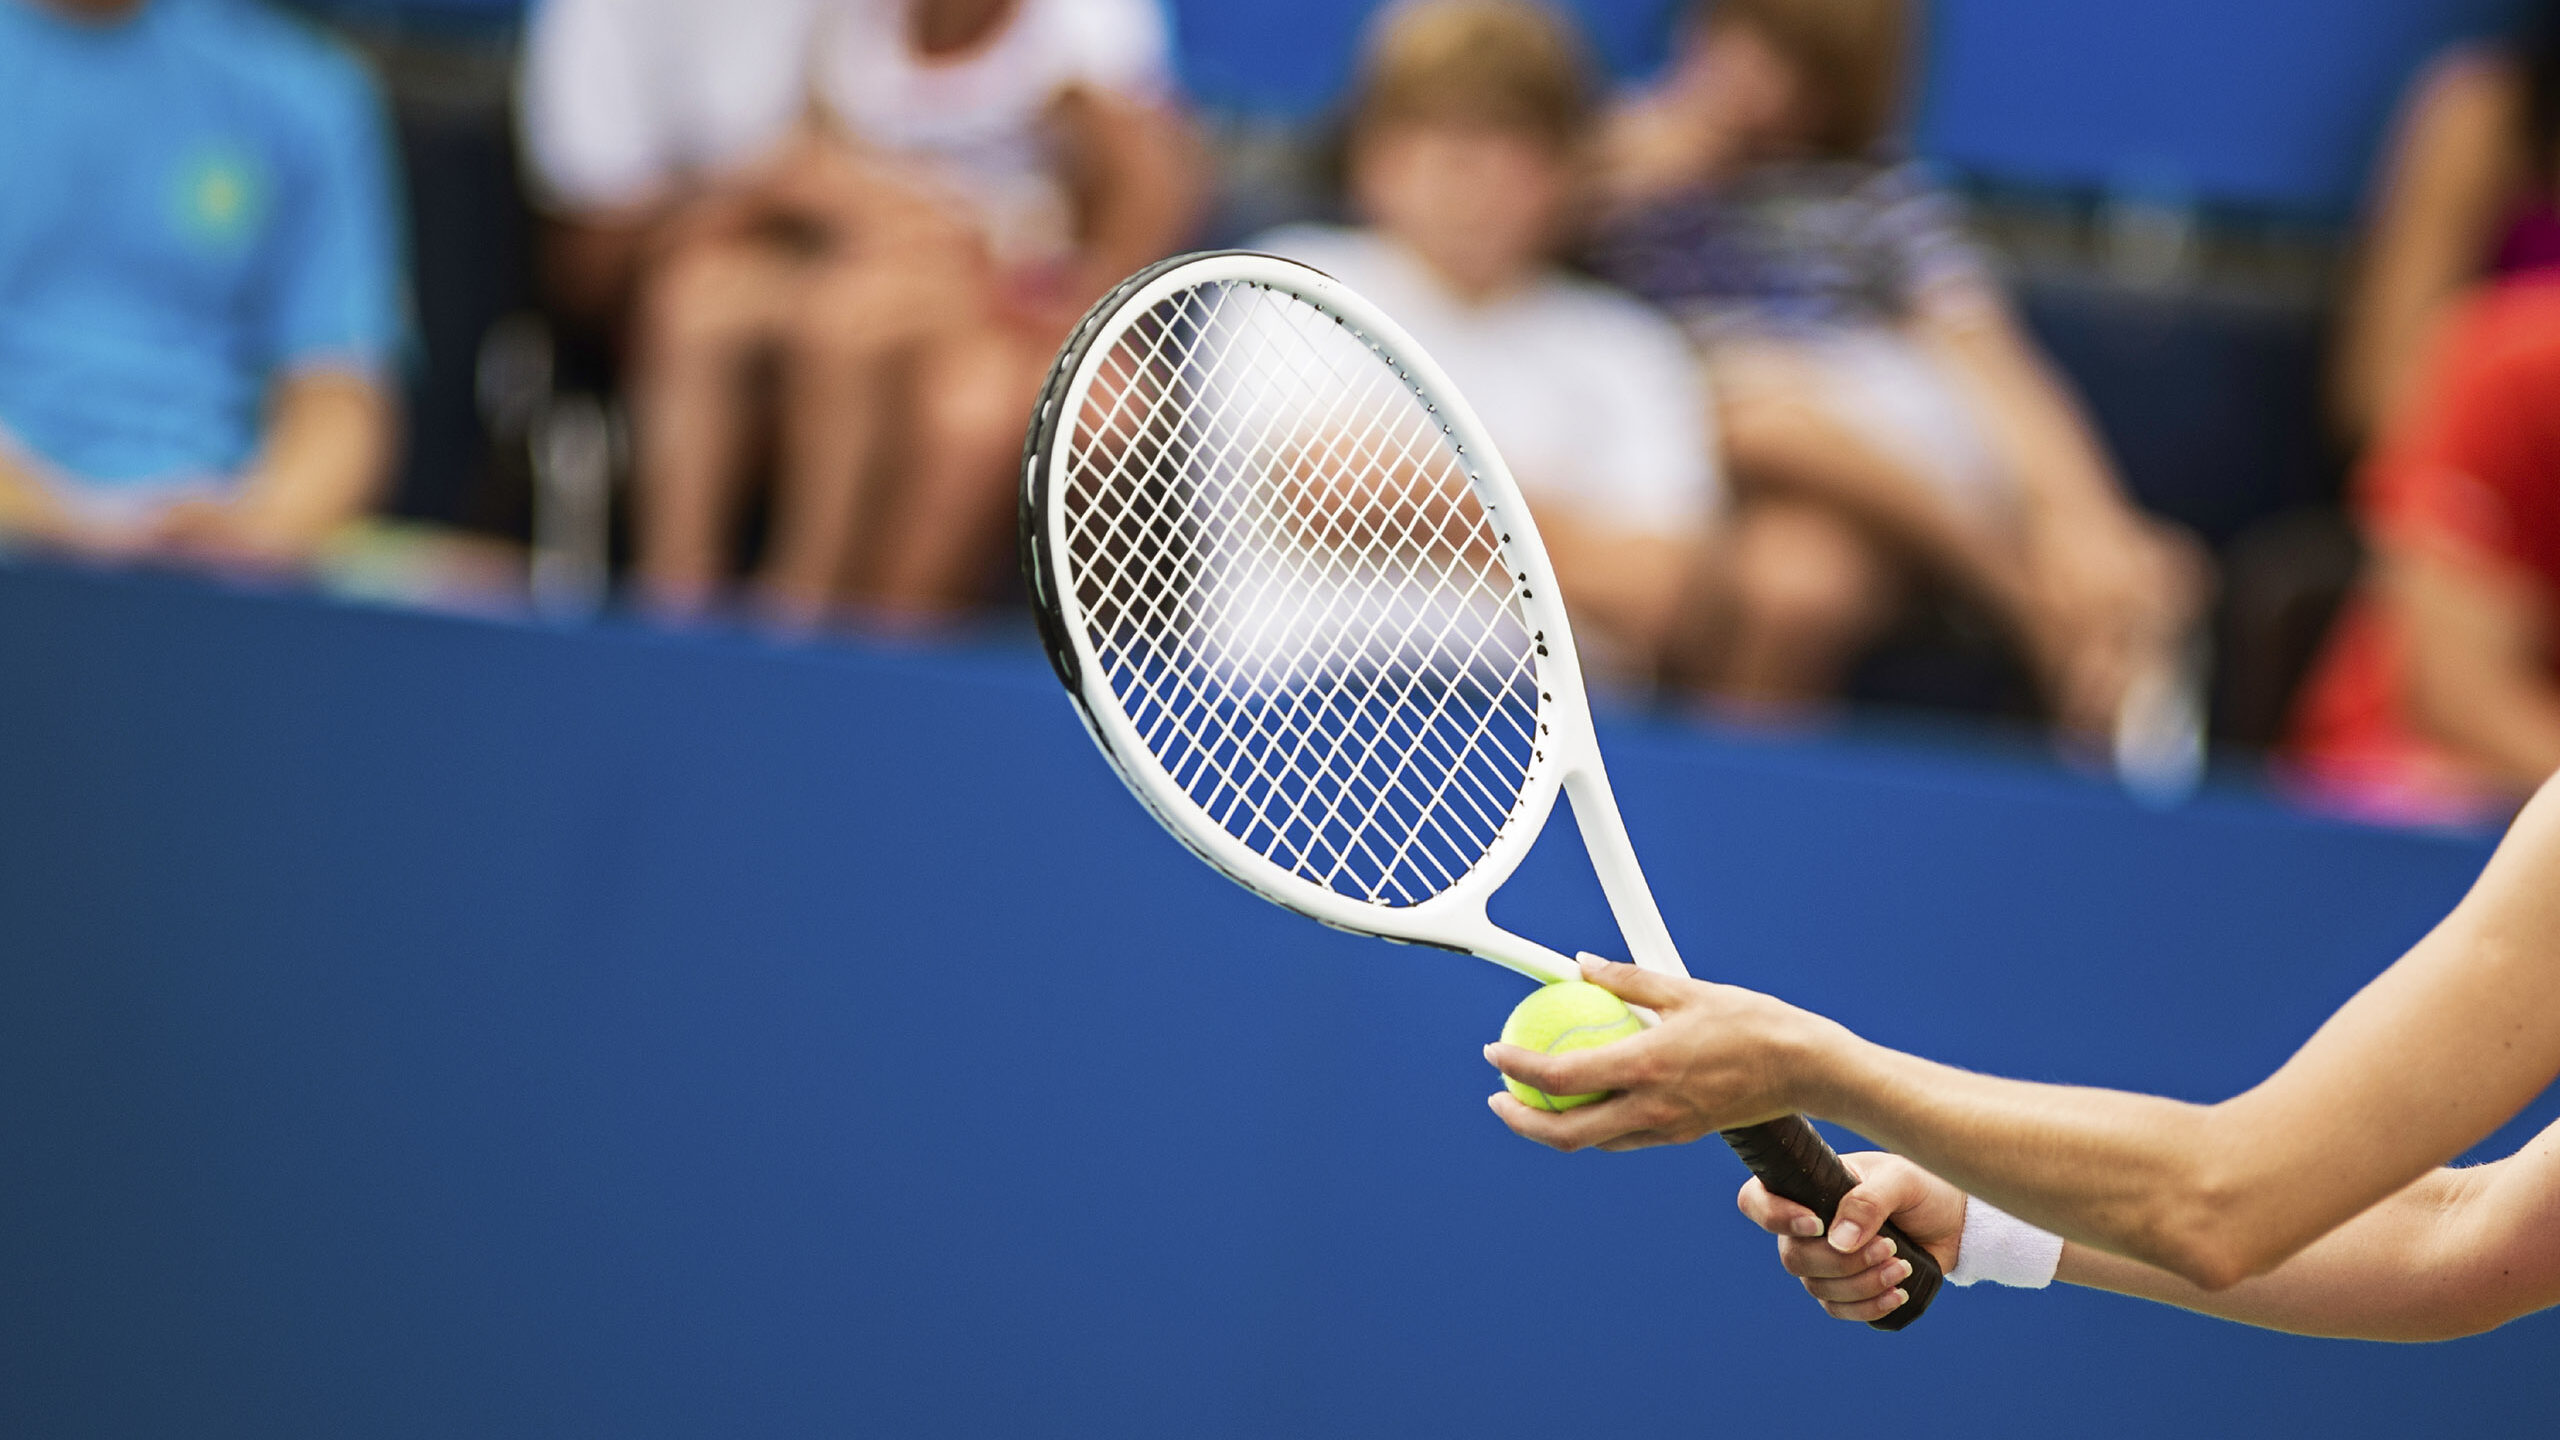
point(1753, 89)
point(1482, 205)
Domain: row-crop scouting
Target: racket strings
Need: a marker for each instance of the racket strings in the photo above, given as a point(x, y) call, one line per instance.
point(1400, 727)
point(1295, 595)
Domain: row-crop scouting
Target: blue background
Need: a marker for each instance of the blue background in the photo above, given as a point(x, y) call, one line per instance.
point(417, 1026)
point(2269, 104)
point(2264, 105)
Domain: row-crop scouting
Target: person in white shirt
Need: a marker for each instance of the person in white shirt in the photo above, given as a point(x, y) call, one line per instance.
point(844, 237)
point(1461, 159)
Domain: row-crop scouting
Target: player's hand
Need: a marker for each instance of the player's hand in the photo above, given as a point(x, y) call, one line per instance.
point(1723, 1057)
point(1853, 1270)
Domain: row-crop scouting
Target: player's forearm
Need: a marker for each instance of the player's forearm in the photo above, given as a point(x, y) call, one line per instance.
point(2133, 1174)
point(324, 460)
point(2389, 1274)
point(2419, 1066)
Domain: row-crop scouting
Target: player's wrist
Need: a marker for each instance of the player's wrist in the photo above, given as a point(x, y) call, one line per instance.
point(1813, 1059)
point(2002, 1249)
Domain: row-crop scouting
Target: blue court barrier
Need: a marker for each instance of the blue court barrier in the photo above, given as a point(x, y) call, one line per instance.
point(420, 1026)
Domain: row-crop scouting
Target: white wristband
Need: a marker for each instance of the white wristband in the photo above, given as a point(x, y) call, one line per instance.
point(2003, 1249)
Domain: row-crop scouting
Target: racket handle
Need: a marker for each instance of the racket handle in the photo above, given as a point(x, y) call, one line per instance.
point(1794, 1161)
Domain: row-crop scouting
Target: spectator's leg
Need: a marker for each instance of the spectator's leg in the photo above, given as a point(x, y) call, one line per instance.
point(974, 396)
point(703, 319)
point(851, 348)
point(1809, 591)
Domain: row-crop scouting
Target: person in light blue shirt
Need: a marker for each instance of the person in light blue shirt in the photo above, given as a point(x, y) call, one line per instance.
point(201, 291)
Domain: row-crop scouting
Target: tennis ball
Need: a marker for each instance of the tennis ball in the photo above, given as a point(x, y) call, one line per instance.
point(1567, 1015)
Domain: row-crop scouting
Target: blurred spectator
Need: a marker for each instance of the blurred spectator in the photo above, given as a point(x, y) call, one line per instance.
point(1463, 157)
point(1883, 413)
point(200, 287)
point(2471, 191)
point(2439, 697)
point(863, 226)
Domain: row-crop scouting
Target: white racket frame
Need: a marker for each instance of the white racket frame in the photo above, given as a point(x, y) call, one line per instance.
point(1566, 756)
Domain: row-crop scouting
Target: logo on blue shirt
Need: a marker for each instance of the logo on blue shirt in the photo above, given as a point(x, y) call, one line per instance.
point(219, 197)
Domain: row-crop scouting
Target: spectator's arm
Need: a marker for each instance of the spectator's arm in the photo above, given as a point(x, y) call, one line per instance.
point(591, 263)
point(2109, 589)
point(1139, 178)
point(335, 324)
point(2478, 674)
point(2452, 166)
point(321, 465)
point(2032, 420)
point(29, 512)
point(328, 447)
point(591, 107)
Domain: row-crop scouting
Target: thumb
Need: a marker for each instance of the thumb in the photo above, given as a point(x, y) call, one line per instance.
point(1631, 983)
point(1865, 1209)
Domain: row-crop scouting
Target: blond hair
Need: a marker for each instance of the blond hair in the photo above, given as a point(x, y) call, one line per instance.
point(1511, 64)
point(1853, 55)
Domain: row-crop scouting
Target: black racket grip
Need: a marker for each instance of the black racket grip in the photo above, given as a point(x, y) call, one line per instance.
point(1794, 1161)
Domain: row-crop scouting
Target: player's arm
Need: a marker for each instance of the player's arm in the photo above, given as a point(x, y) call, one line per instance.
point(2454, 1253)
point(2477, 676)
point(2429, 1058)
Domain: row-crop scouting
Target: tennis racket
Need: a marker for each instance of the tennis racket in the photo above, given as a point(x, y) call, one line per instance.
point(1302, 608)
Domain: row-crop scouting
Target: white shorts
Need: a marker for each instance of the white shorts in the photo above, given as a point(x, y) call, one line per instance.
point(1881, 384)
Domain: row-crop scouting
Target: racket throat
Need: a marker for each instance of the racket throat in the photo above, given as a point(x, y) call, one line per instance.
point(1613, 859)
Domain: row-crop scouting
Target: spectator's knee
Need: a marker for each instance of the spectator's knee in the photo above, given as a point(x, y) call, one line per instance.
point(701, 306)
point(1808, 579)
point(856, 320)
point(978, 396)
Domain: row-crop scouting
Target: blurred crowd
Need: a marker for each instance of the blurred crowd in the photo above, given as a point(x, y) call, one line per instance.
point(1769, 397)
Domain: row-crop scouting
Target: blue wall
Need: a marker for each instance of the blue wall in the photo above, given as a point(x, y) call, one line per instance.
point(2261, 103)
point(2264, 104)
point(2276, 103)
point(413, 1026)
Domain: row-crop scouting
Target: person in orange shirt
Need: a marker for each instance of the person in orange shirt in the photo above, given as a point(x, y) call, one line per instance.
point(2438, 699)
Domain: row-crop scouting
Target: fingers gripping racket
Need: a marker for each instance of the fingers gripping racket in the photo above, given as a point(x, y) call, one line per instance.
point(1302, 608)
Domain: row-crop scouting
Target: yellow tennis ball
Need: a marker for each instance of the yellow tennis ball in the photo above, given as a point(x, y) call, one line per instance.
point(1568, 1015)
